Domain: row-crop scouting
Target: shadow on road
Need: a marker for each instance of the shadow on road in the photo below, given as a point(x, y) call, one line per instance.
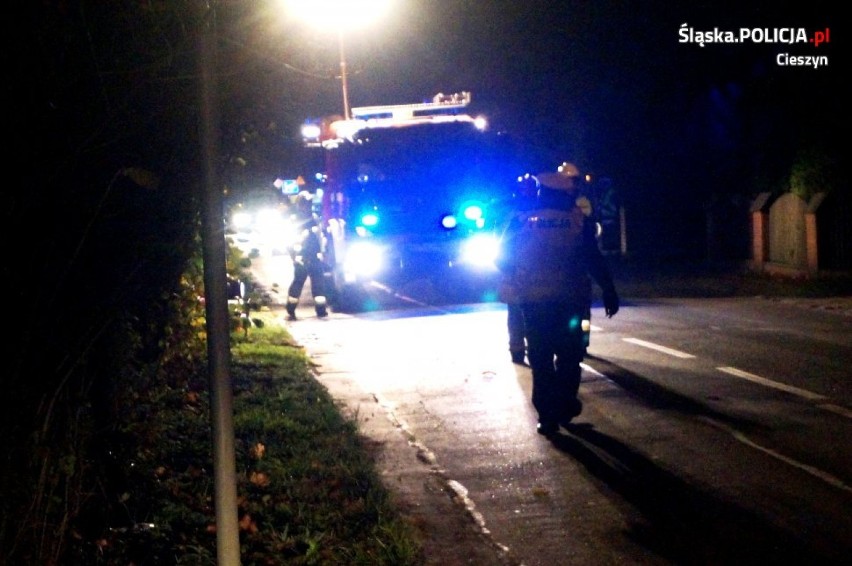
point(683, 522)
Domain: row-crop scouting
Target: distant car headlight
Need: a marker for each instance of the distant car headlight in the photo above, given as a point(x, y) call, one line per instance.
point(363, 260)
point(480, 250)
point(241, 220)
point(269, 221)
point(289, 233)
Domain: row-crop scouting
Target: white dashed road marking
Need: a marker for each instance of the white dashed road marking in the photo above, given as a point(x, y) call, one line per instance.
point(773, 384)
point(816, 472)
point(803, 393)
point(657, 347)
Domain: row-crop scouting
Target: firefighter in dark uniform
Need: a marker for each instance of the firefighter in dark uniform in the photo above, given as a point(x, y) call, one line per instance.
point(550, 257)
point(306, 253)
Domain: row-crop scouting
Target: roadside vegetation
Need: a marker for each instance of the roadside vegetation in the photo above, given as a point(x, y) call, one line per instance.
point(307, 489)
point(113, 466)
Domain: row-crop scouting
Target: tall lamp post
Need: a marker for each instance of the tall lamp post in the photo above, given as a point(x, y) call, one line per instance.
point(340, 15)
point(344, 85)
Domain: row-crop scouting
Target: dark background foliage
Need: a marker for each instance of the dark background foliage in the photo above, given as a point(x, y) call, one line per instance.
point(100, 219)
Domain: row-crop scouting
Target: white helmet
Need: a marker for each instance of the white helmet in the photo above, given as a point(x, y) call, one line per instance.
point(563, 179)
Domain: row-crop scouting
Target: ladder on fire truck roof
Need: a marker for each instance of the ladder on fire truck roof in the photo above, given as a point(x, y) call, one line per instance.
point(443, 109)
point(441, 104)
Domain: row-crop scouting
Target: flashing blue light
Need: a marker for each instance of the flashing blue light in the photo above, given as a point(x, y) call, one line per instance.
point(370, 219)
point(449, 222)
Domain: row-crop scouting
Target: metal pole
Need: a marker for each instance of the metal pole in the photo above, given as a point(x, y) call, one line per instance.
point(343, 74)
point(216, 306)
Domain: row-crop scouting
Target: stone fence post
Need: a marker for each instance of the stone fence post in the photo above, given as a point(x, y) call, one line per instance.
point(759, 231)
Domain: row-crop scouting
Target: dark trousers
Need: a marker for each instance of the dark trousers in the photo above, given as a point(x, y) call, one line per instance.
point(555, 348)
point(301, 272)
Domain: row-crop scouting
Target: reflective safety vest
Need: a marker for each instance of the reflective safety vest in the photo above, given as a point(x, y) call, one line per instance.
point(546, 255)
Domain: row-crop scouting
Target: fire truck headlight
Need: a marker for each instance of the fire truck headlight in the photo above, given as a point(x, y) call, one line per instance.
point(481, 250)
point(363, 259)
point(449, 222)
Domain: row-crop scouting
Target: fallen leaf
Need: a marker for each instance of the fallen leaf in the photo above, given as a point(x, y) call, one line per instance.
point(247, 524)
point(257, 451)
point(259, 479)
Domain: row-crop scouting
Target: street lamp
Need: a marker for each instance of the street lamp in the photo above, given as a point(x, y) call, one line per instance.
point(340, 15)
point(343, 83)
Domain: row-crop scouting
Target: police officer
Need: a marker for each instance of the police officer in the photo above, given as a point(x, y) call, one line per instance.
point(550, 257)
point(523, 199)
point(306, 253)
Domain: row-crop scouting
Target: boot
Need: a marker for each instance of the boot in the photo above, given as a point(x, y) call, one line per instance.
point(291, 307)
point(321, 306)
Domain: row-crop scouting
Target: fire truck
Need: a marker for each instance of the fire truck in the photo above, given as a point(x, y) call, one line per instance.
point(407, 191)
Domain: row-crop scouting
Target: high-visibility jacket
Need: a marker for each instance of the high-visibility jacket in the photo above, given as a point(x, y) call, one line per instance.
point(551, 254)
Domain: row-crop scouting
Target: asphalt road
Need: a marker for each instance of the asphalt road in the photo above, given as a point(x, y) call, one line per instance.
point(715, 431)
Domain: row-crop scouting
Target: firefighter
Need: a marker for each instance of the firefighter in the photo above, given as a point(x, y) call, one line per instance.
point(307, 255)
point(550, 258)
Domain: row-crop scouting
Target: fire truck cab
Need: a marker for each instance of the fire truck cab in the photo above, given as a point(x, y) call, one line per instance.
point(407, 191)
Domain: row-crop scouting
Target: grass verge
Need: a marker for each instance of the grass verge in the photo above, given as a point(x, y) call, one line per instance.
point(307, 486)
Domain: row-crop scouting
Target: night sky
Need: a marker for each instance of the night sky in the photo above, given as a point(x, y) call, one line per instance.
point(608, 85)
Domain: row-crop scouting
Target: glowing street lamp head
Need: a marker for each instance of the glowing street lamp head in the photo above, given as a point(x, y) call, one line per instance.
point(337, 15)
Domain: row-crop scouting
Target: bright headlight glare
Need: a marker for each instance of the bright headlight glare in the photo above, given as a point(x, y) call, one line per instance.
point(289, 233)
point(449, 222)
point(364, 259)
point(241, 220)
point(311, 131)
point(269, 220)
point(481, 250)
